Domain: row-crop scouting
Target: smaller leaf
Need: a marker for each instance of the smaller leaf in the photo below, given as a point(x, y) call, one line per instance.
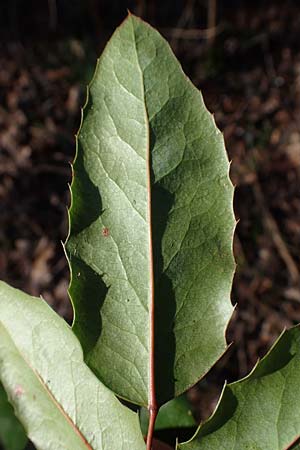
point(174, 414)
point(12, 434)
point(59, 401)
point(261, 411)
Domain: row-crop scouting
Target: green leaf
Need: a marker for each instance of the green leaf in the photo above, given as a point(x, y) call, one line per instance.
point(174, 414)
point(151, 193)
point(57, 398)
point(262, 411)
point(12, 434)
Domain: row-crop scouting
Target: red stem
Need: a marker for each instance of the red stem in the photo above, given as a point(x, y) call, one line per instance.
point(153, 414)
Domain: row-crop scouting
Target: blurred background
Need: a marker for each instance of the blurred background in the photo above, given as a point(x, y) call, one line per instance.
point(245, 57)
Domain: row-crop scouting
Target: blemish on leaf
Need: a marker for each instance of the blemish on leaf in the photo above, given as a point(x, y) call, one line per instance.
point(105, 232)
point(18, 391)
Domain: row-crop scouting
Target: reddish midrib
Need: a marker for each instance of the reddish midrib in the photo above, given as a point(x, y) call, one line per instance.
point(53, 399)
point(152, 402)
point(77, 431)
point(152, 405)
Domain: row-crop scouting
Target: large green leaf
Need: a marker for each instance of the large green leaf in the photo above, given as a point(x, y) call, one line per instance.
point(151, 192)
point(262, 411)
point(12, 434)
point(60, 402)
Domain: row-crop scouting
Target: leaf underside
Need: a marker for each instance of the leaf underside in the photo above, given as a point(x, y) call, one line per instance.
point(143, 115)
point(262, 411)
point(59, 401)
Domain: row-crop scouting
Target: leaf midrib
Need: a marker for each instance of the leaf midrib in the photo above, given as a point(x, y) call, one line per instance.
point(152, 401)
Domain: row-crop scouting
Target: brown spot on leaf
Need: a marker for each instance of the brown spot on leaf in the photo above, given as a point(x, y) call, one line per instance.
point(105, 232)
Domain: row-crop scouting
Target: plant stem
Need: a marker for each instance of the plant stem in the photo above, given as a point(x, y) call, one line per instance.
point(153, 410)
